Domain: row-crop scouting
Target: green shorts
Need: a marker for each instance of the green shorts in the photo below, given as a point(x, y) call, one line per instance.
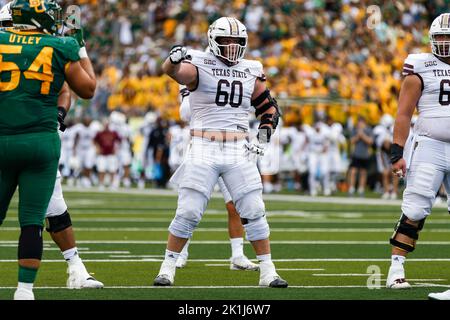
point(29, 161)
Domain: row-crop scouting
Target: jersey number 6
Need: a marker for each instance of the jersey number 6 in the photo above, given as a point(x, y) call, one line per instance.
point(223, 97)
point(445, 93)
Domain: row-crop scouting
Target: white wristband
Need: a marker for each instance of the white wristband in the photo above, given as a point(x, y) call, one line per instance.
point(83, 53)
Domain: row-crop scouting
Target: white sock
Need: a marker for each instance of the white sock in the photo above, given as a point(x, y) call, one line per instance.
point(171, 256)
point(264, 258)
point(237, 247)
point(266, 265)
point(26, 286)
point(71, 256)
point(184, 253)
point(397, 260)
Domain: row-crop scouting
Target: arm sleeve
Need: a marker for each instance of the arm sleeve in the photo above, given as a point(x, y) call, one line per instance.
point(185, 108)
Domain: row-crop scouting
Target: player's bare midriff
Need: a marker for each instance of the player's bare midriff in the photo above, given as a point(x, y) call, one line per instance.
point(219, 135)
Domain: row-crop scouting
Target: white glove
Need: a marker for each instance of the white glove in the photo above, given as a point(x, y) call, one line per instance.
point(254, 149)
point(177, 54)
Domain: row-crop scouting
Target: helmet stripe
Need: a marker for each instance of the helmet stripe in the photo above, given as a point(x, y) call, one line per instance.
point(445, 21)
point(237, 26)
point(231, 29)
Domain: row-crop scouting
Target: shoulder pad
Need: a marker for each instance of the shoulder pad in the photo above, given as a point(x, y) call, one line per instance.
point(196, 57)
point(417, 63)
point(255, 68)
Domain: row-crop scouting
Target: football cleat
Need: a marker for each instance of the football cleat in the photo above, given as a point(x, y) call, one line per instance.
point(23, 294)
point(163, 280)
point(79, 278)
point(396, 278)
point(242, 263)
point(440, 295)
point(166, 274)
point(273, 281)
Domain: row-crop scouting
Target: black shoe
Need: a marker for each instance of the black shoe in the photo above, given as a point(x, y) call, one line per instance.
point(278, 283)
point(162, 280)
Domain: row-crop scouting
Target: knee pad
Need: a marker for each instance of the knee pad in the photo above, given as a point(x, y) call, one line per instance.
point(191, 206)
point(408, 230)
point(30, 242)
point(251, 205)
point(56, 206)
point(256, 229)
point(182, 228)
point(58, 223)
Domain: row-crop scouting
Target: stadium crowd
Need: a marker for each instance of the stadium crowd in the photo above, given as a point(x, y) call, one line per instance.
point(334, 66)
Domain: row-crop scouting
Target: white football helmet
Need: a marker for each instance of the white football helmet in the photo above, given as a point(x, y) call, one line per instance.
point(5, 15)
point(440, 26)
point(387, 120)
point(117, 118)
point(227, 27)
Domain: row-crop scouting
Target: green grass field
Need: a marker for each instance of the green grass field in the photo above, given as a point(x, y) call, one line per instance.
point(323, 249)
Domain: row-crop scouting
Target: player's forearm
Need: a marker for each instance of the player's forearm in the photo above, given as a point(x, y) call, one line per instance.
point(64, 98)
point(87, 66)
point(401, 129)
point(270, 113)
point(89, 83)
point(171, 69)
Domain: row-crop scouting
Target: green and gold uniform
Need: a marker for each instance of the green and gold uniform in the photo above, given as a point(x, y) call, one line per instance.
point(32, 73)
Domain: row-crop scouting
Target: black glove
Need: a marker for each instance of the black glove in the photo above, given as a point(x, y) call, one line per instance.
point(396, 152)
point(177, 54)
point(61, 116)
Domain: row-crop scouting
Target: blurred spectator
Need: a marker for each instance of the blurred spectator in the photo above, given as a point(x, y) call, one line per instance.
point(361, 140)
point(158, 144)
point(106, 141)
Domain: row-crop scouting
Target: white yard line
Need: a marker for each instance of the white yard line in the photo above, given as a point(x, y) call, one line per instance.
point(272, 219)
point(226, 287)
point(213, 242)
point(346, 274)
point(297, 230)
point(422, 260)
point(106, 252)
point(137, 256)
point(273, 197)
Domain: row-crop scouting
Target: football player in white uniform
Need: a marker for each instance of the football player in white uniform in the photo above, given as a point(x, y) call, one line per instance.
point(383, 140)
point(84, 149)
point(223, 88)
point(118, 123)
point(318, 158)
point(336, 139)
point(238, 260)
point(57, 218)
point(59, 224)
point(426, 85)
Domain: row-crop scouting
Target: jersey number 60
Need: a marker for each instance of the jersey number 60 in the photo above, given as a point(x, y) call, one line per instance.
point(223, 97)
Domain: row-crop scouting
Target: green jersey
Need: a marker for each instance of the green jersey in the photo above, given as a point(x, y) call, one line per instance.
point(32, 73)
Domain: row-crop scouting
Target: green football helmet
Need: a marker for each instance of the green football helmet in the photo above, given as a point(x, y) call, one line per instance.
point(45, 15)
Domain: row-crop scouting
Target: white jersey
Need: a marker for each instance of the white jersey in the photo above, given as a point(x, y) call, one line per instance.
point(222, 99)
point(86, 136)
point(318, 141)
point(336, 137)
point(68, 138)
point(179, 142)
point(124, 132)
point(434, 103)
